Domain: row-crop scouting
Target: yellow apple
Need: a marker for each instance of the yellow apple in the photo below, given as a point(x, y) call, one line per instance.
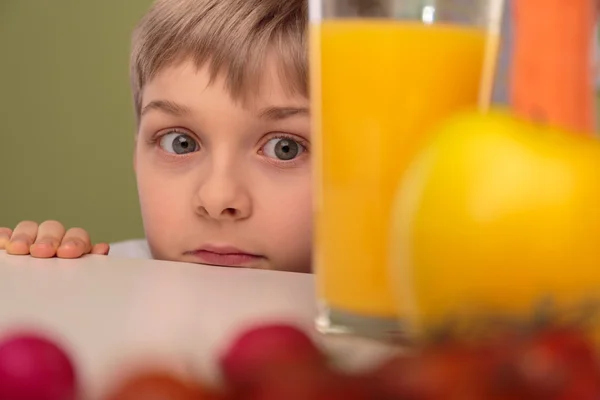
point(497, 215)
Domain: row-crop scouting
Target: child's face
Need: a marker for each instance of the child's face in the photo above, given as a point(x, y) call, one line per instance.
point(220, 182)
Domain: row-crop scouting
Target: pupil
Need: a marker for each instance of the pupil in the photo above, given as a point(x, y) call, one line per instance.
point(286, 149)
point(183, 144)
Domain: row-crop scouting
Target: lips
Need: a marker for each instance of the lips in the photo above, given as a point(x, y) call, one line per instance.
point(224, 256)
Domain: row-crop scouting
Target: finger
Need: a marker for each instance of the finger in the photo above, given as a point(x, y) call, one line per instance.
point(101, 249)
point(75, 243)
point(5, 234)
point(22, 238)
point(49, 237)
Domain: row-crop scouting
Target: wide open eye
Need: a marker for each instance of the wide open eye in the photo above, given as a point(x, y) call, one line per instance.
point(283, 149)
point(179, 143)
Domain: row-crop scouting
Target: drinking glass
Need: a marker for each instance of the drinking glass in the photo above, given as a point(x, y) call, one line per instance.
point(383, 72)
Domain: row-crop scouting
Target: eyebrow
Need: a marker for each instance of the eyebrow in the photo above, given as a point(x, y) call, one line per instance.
point(269, 113)
point(279, 113)
point(167, 107)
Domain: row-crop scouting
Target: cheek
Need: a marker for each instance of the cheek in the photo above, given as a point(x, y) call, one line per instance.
point(161, 198)
point(163, 211)
point(291, 231)
point(289, 214)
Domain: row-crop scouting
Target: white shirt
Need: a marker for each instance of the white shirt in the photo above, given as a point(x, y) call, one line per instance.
point(131, 249)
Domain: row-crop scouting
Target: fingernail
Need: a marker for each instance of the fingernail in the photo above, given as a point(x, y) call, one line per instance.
point(16, 242)
point(44, 240)
point(70, 243)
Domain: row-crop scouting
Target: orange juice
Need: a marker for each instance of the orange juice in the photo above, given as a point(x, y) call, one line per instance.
point(377, 87)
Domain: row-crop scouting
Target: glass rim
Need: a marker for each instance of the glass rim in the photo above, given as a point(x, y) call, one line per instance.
point(423, 11)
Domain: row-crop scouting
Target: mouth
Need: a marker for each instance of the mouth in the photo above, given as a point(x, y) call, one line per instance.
point(224, 256)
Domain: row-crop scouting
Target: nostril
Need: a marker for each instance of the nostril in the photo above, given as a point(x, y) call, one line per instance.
point(230, 211)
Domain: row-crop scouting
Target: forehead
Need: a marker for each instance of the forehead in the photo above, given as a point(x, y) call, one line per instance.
point(187, 83)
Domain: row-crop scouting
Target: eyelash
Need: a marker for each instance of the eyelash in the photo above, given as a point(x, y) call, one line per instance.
point(155, 139)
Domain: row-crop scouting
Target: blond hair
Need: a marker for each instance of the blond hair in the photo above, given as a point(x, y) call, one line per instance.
point(233, 36)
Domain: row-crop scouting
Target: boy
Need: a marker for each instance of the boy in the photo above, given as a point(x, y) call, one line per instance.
point(223, 139)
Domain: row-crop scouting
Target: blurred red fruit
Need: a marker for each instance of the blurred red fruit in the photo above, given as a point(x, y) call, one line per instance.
point(268, 349)
point(34, 367)
point(448, 372)
point(158, 385)
point(311, 384)
point(559, 363)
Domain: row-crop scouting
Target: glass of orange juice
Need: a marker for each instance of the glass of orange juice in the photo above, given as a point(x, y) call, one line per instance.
point(382, 73)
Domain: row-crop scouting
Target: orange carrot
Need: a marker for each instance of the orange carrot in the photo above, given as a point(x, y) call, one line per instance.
point(552, 78)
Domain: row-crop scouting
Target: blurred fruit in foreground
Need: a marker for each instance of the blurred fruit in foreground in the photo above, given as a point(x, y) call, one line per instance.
point(309, 384)
point(539, 362)
point(448, 371)
point(549, 364)
point(279, 361)
point(559, 362)
point(496, 215)
point(34, 367)
point(158, 385)
point(271, 349)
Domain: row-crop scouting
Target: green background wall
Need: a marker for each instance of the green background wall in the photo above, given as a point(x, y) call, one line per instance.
point(66, 120)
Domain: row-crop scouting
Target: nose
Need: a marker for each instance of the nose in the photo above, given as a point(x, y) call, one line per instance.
point(223, 196)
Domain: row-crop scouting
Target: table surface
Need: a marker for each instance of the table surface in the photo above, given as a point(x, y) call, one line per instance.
point(110, 311)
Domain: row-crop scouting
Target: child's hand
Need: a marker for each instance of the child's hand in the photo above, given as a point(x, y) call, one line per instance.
point(47, 240)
